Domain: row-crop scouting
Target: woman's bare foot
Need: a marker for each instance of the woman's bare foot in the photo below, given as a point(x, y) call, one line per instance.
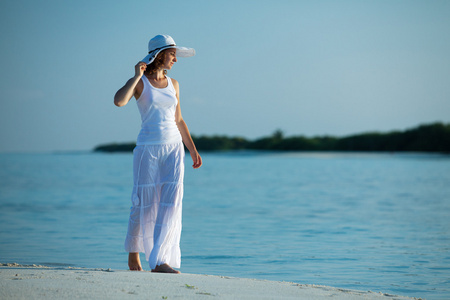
point(165, 268)
point(134, 263)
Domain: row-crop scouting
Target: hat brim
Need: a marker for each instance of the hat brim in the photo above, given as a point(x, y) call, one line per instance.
point(181, 52)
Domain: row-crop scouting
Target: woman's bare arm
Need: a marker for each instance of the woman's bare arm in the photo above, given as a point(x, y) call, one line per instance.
point(185, 135)
point(125, 93)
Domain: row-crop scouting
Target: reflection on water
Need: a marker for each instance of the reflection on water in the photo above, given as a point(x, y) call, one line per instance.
point(362, 221)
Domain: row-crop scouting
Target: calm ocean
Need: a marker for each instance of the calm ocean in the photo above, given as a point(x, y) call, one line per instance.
point(378, 222)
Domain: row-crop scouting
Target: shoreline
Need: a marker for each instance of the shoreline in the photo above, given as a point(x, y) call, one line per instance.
point(43, 282)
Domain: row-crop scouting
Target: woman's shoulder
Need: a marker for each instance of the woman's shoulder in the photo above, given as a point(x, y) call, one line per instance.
point(174, 82)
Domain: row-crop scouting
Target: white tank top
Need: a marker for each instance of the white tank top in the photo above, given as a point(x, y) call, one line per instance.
point(157, 107)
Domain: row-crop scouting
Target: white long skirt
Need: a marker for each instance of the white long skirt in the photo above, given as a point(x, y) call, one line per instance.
point(154, 226)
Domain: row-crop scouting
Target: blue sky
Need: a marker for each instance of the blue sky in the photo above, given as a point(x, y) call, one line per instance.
point(305, 67)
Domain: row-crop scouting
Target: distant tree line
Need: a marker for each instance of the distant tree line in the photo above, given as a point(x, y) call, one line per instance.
point(424, 138)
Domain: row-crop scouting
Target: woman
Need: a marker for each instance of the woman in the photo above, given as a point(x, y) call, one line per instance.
point(154, 226)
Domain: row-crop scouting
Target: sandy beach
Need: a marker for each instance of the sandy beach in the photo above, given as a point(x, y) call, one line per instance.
point(41, 282)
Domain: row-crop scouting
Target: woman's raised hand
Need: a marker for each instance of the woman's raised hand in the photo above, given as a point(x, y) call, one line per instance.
point(125, 93)
point(139, 69)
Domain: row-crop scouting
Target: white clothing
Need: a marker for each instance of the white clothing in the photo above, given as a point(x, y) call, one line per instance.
point(154, 226)
point(157, 107)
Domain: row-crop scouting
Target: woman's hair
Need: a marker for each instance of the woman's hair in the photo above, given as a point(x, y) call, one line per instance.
point(157, 63)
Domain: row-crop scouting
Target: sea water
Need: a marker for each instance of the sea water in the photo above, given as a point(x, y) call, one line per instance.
point(364, 221)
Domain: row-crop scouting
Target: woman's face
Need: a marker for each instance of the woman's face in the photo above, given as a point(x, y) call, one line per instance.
point(171, 58)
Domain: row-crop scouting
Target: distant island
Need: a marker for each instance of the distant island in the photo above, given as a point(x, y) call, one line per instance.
point(433, 137)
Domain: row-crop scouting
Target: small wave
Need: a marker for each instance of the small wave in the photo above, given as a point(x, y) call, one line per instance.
point(215, 257)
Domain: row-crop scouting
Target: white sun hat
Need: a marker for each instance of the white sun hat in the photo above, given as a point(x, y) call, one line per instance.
point(162, 42)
